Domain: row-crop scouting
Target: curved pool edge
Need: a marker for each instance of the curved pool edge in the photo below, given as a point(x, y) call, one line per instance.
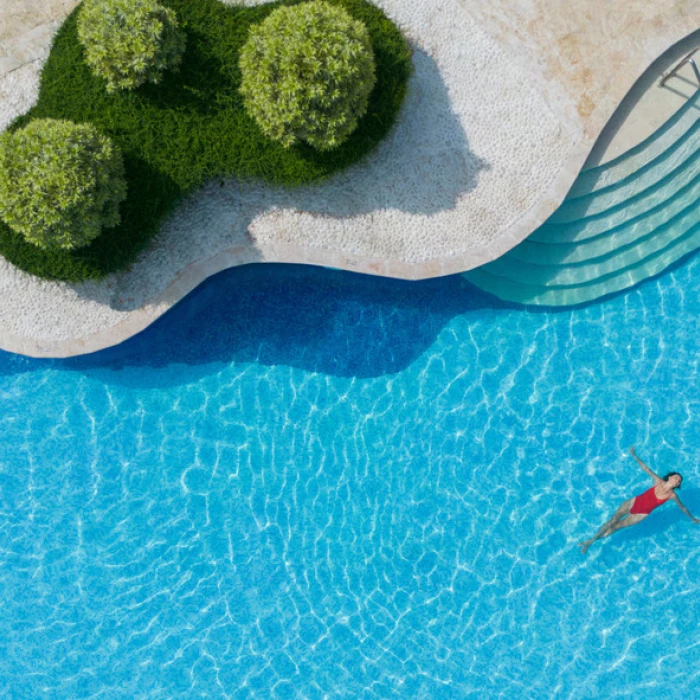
point(196, 271)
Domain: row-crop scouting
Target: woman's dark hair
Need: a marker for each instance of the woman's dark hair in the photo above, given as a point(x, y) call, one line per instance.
point(673, 474)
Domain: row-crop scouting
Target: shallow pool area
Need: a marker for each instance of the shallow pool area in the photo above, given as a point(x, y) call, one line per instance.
point(314, 484)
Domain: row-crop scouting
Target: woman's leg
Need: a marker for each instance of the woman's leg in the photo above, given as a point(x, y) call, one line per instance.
point(629, 520)
point(604, 531)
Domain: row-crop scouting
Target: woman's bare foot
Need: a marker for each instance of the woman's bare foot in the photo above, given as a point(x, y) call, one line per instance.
point(585, 545)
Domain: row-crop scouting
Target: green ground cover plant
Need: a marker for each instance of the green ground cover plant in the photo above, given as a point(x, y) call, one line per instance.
point(192, 127)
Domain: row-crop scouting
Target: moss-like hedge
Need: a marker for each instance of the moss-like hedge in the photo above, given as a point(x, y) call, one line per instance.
point(192, 127)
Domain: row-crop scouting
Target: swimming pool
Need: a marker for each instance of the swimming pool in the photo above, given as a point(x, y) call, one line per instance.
point(306, 483)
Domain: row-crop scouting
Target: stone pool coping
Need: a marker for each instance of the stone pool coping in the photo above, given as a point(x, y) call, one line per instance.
point(504, 107)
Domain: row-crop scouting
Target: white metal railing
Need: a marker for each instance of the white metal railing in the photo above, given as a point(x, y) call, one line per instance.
point(686, 59)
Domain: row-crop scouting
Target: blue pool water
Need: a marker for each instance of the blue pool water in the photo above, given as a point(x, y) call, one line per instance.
point(304, 483)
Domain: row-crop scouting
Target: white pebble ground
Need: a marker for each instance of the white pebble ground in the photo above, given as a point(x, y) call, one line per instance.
point(476, 160)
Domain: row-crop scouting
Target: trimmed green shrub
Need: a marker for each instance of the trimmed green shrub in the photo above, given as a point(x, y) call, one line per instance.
point(60, 183)
point(307, 73)
point(130, 42)
point(192, 127)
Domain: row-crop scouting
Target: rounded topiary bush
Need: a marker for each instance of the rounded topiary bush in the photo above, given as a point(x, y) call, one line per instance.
point(307, 73)
point(191, 128)
point(129, 42)
point(60, 183)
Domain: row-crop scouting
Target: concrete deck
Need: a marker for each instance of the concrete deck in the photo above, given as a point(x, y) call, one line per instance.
point(505, 105)
point(648, 105)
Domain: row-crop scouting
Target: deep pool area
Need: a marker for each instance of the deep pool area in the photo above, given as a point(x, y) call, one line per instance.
point(307, 483)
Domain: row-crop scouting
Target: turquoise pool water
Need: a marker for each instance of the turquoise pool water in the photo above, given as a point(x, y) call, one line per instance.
point(303, 483)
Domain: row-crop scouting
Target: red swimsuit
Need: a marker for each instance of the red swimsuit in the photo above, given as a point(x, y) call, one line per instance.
point(646, 502)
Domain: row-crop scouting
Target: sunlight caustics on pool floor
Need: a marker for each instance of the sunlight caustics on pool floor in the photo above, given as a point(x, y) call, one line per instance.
point(304, 483)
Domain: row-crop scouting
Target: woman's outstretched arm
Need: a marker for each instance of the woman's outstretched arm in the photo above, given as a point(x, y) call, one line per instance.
point(683, 508)
point(655, 477)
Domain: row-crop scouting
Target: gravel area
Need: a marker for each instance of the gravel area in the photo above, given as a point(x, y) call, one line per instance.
point(476, 149)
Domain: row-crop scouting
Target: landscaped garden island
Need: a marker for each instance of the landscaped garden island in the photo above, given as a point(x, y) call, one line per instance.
point(494, 127)
point(303, 482)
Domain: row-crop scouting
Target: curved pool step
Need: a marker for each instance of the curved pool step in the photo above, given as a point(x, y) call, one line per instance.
point(607, 255)
point(628, 226)
point(636, 231)
point(629, 212)
point(641, 185)
point(601, 176)
point(618, 262)
point(510, 290)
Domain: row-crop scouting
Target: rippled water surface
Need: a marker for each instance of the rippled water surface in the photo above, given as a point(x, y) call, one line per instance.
point(303, 483)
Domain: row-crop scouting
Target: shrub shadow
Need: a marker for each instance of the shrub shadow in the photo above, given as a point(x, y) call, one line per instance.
point(423, 167)
point(315, 319)
point(196, 84)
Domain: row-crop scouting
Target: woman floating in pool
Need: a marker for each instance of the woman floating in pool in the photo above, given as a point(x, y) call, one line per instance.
point(637, 508)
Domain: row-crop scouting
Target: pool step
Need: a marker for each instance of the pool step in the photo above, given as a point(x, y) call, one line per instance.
point(568, 251)
point(617, 227)
point(667, 194)
point(640, 186)
point(601, 176)
point(509, 290)
point(557, 275)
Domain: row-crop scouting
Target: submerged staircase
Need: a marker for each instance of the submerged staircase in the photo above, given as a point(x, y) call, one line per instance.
point(621, 223)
